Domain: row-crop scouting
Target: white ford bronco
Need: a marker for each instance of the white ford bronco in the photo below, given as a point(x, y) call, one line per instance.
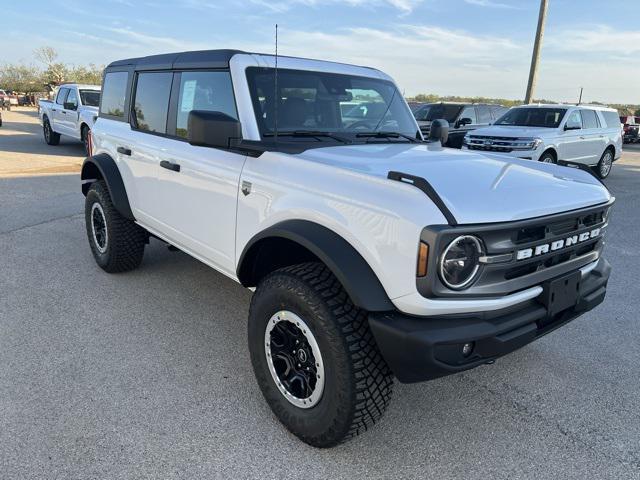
point(584, 135)
point(373, 253)
point(72, 113)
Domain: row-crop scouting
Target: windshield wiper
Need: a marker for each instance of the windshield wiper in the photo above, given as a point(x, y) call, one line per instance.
point(387, 135)
point(308, 133)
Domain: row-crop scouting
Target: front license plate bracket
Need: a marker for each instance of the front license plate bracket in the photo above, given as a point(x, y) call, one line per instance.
point(561, 293)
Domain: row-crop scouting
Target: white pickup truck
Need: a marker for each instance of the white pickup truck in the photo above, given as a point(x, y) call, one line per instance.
point(72, 113)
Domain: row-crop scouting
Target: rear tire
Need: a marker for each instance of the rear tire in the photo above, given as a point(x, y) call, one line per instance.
point(117, 243)
point(353, 385)
point(51, 137)
point(603, 168)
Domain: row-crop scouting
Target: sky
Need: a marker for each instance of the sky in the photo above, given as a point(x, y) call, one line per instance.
point(446, 47)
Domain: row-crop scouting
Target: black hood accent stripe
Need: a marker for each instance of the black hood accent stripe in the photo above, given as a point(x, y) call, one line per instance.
point(426, 187)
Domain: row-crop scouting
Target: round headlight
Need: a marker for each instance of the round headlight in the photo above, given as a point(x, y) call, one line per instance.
point(460, 262)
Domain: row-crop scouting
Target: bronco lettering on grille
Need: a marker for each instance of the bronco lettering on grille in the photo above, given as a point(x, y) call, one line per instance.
point(557, 244)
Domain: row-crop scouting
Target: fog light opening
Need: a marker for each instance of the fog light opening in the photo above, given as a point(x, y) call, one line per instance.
point(467, 349)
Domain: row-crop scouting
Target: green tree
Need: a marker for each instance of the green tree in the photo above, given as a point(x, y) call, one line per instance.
point(21, 78)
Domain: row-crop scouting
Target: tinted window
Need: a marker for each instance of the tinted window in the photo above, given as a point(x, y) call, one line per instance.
point(152, 101)
point(484, 115)
point(533, 117)
point(210, 91)
point(611, 118)
point(62, 95)
point(114, 91)
point(428, 113)
point(72, 98)
point(90, 98)
point(589, 119)
point(469, 112)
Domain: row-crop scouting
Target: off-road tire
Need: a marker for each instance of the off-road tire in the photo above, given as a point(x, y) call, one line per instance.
point(51, 137)
point(358, 383)
point(603, 168)
point(125, 239)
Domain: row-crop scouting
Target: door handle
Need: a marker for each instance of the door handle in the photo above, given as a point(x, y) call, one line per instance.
point(170, 165)
point(582, 138)
point(124, 151)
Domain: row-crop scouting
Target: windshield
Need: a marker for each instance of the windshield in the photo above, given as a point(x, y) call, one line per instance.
point(344, 105)
point(91, 98)
point(428, 113)
point(533, 117)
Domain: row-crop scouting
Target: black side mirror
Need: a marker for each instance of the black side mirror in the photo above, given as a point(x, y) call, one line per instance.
point(70, 106)
point(212, 129)
point(572, 126)
point(464, 121)
point(439, 131)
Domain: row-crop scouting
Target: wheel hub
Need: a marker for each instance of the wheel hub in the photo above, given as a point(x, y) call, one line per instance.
point(294, 359)
point(99, 227)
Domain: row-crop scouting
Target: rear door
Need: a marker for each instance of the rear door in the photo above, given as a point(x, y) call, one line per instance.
point(595, 139)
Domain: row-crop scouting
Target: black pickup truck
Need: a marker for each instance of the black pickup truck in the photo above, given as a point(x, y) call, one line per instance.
point(462, 118)
point(631, 129)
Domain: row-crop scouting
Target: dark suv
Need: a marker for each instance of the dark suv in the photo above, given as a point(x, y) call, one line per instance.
point(462, 118)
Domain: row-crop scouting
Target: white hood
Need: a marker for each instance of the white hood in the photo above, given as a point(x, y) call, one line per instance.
point(476, 188)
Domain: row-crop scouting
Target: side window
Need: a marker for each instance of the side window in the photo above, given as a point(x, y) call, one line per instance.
point(612, 119)
point(589, 119)
point(484, 114)
point(469, 112)
point(575, 120)
point(114, 92)
point(62, 96)
point(152, 101)
point(211, 91)
point(72, 99)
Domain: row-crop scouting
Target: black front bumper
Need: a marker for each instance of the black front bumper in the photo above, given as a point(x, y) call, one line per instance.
point(424, 348)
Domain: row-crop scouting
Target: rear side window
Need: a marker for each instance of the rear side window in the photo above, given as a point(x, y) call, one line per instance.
point(62, 96)
point(151, 102)
point(612, 119)
point(589, 119)
point(484, 115)
point(114, 92)
point(211, 91)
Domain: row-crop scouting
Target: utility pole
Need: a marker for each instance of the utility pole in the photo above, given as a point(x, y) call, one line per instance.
point(580, 99)
point(533, 72)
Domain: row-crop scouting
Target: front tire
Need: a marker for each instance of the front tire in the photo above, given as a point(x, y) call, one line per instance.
point(548, 157)
point(117, 243)
point(603, 168)
point(334, 383)
point(51, 137)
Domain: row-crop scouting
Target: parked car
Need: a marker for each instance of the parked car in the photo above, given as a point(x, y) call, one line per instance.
point(582, 134)
point(72, 113)
point(370, 253)
point(462, 117)
point(631, 129)
point(6, 100)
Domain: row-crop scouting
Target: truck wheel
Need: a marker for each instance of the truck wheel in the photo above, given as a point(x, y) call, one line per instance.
point(603, 169)
point(51, 137)
point(84, 135)
point(117, 243)
point(547, 157)
point(314, 356)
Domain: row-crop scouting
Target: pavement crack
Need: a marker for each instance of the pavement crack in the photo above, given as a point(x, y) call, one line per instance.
point(25, 227)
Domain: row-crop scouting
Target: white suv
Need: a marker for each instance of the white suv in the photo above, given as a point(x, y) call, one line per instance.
point(585, 135)
point(372, 254)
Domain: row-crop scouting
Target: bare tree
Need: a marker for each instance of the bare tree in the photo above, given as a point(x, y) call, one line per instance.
point(56, 72)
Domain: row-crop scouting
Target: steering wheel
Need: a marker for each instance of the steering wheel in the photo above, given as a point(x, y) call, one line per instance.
point(361, 125)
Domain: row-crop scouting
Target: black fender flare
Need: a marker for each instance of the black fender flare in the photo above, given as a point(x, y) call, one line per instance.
point(344, 261)
point(102, 166)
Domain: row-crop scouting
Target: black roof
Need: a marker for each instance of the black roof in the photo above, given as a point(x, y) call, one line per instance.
point(197, 59)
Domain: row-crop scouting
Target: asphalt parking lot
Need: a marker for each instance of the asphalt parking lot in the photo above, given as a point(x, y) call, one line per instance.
point(147, 374)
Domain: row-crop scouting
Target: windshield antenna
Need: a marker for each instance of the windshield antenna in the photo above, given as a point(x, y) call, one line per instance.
point(276, 99)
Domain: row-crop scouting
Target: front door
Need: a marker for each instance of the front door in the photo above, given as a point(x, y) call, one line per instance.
point(572, 145)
